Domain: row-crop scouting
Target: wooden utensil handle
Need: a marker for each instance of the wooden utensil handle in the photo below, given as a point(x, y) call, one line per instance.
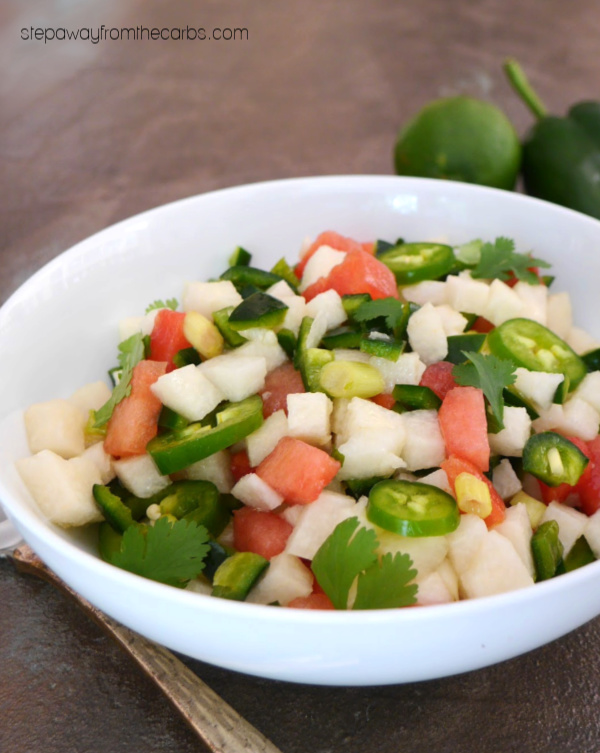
point(219, 726)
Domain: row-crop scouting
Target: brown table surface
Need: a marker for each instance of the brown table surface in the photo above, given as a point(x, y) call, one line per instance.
point(93, 133)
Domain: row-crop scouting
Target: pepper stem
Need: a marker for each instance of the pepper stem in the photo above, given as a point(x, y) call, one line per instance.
point(521, 85)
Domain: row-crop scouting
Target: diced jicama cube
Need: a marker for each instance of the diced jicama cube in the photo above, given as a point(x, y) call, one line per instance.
point(433, 589)
point(206, 297)
point(406, 369)
point(465, 541)
point(237, 377)
point(266, 346)
point(365, 417)
point(466, 294)
point(538, 387)
point(503, 303)
point(255, 492)
point(426, 334)
point(188, 391)
point(592, 533)
point(535, 300)
point(320, 265)
point(516, 527)
point(559, 314)
point(425, 446)
point(575, 418)
point(285, 579)
point(215, 468)
point(427, 552)
point(365, 456)
point(90, 397)
point(309, 417)
point(571, 523)
point(296, 311)
point(589, 390)
point(315, 522)
point(140, 475)
point(102, 460)
point(517, 430)
point(428, 291)
point(505, 480)
point(62, 488)
point(339, 419)
point(448, 574)
point(329, 304)
point(55, 425)
point(452, 320)
point(496, 568)
point(581, 341)
point(282, 291)
point(263, 441)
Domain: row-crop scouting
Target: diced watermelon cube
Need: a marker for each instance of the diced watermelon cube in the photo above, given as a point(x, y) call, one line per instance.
point(283, 381)
point(167, 338)
point(358, 273)
point(261, 532)
point(463, 424)
point(438, 377)
point(298, 471)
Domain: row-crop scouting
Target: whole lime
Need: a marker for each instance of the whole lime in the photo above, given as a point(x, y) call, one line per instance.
point(460, 138)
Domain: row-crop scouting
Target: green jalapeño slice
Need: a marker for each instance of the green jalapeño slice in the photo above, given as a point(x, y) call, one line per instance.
point(531, 345)
point(414, 262)
point(410, 508)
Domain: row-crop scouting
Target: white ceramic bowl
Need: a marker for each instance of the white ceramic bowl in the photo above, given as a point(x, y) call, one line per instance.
point(59, 331)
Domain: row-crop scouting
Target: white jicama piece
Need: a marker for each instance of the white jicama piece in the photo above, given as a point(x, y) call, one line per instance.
point(102, 460)
point(140, 475)
point(55, 425)
point(438, 478)
point(453, 321)
point(365, 417)
point(237, 377)
point(589, 390)
point(575, 418)
point(329, 304)
point(427, 553)
point(62, 488)
point(426, 334)
point(496, 568)
point(320, 265)
point(433, 589)
point(559, 314)
point(365, 455)
point(188, 391)
point(207, 297)
point(216, 468)
point(266, 346)
point(503, 304)
point(516, 527)
point(465, 541)
point(134, 324)
point(505, 480)
point(538, 387)
point(425, 447)
point(517, 430)
point(408, 368)
point(466, 294)
point(256, 493)
point(581, 341)
point(535, 300)
point(571, 523)
point(285, 579)
point(315, 522)
point(282, 291)
point(448, 574)
point(296, 311)
point(265, 439)
point(428, 291)
point(309, 417)
point(90, 397)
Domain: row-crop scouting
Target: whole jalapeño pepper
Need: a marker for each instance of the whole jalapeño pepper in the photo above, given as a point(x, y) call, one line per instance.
point(561, 155)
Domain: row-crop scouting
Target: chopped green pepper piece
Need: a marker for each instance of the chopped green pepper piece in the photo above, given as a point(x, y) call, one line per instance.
point(353, 301)
point(359, 487)
point(235, 577)
point(410, 508)
point(382, 347)
point(580, 554)
point(592, 359)
point(217, 554)
point(113, 509)
point(287, 339)
point(240, 257)
point(469, 341)
point(547, 550)
point(185, 357)
point(241, 275)
point(258, 310)
point(221, 319)
point(342, 337)
point(185, 496)
point(311, 364)
point(174, 451)
point(553, 459)
point(415, 397)
point(529, 344)
point(414, 262)
point(283, 270)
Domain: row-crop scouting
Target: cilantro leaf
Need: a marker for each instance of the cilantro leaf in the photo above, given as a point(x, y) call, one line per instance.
point(342, 557)
point(384, 585)
point(499, 260)
point(390, 309)
point(490, 374)
point(350, 552)
point(131, 352)
point(165, 552)
point(170, 303)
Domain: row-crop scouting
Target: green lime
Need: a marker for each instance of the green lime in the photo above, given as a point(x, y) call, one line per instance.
point(460, 138)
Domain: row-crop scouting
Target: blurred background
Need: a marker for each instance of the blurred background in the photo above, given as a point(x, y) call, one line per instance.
point(92, 132)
